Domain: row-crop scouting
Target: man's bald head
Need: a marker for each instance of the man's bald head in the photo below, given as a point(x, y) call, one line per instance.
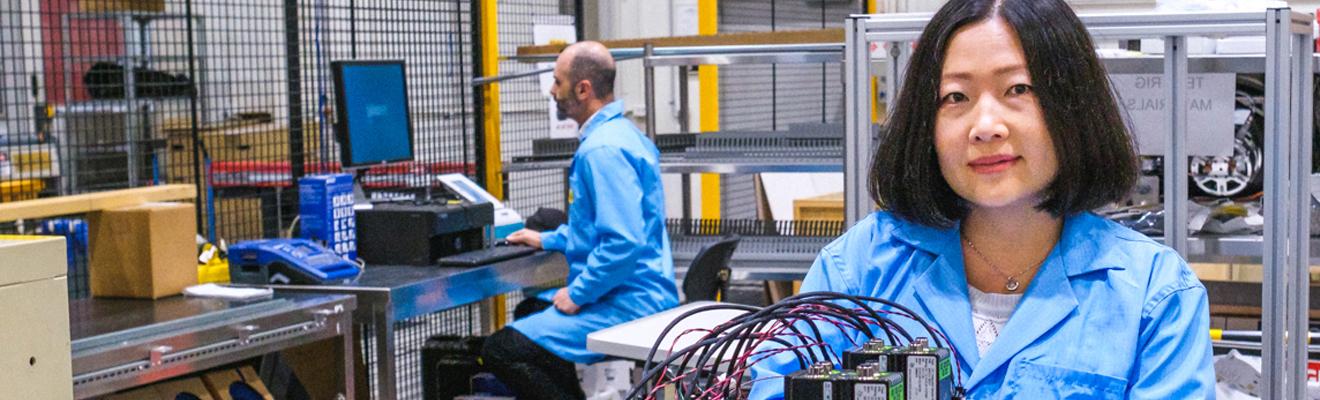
point(592, 62)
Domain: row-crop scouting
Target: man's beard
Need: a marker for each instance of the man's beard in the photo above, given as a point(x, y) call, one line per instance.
point(561, 107)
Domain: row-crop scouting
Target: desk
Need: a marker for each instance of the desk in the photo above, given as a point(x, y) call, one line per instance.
point(122, 343)
point(634, 339)
point(388, 293)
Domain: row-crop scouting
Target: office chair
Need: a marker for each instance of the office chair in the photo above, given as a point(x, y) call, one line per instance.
point(708, 276)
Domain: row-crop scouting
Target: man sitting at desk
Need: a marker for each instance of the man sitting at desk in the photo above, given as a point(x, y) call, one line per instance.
point(620, 267)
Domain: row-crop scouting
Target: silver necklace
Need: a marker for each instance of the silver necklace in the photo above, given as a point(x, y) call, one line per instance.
point(1012, 284)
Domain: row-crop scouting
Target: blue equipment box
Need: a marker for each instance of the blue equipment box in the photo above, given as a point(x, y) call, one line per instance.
point(288, 261)
point(325, 205)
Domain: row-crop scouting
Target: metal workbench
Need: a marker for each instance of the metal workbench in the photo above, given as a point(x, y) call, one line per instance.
point(387, 294)
point(122, 343)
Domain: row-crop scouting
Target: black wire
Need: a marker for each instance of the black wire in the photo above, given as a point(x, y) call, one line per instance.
point(651, 373)
point(744, 334)
point(738, 332)
point(798, 317)
point(841, 313)
point(659, 339)
point(859, 300)
point(786, 312)
point(714, 338)
point(749, 326)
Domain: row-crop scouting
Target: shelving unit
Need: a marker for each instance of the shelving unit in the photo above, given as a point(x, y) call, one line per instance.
point(135, 110)
point(759, 257)
point(1288, 64)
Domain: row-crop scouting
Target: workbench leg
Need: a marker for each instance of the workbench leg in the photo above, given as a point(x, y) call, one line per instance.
point(386, 379)
point(348, 355)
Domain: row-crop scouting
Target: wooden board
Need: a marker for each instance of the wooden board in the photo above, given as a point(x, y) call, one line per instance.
point(83, 203)
point(723, 39)
point(826, 207)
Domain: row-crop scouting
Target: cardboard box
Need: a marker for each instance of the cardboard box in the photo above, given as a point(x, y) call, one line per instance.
point(189, 388)
point(220, 383)
point(244, 141)
point(186, 388)
point(144, 393)
point(826, 207)
point(1212, 272)
point(121, 5)
point(147, 251)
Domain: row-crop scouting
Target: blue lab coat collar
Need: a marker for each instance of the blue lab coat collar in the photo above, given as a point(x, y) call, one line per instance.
point(608, 112)
point(942, 289)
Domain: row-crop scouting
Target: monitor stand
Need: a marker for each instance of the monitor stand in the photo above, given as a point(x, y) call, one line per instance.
point(359, 196)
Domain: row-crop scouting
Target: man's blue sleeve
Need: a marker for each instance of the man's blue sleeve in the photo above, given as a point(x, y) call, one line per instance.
point(616, 192)
point(556, 240)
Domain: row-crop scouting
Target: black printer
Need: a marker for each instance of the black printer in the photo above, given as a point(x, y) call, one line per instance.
point(417, 232)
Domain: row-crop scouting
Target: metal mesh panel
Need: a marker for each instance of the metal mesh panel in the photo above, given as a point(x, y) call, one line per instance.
point(770, 97)
point(524, 109)
point(409, 337)
point(102, 94)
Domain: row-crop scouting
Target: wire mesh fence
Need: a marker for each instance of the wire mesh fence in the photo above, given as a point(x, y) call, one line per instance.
point(524, 107)
point(234, 96)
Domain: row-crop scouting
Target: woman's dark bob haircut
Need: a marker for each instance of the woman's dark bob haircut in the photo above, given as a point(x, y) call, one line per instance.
point(1097, 157)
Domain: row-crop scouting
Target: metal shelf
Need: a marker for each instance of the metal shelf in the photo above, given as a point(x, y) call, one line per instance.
point(758, 258)
point(752, 166)
point(713, 165)
point(128, 59)
point(123, 343)
point(805, 57)
point(525, 166)
point(1196, 64)
point(784, 258)
point(678, 52)
point(1234, 249)
point(138, 53)
point(136, 15)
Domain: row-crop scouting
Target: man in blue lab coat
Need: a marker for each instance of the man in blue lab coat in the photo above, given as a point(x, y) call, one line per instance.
point(620, 267)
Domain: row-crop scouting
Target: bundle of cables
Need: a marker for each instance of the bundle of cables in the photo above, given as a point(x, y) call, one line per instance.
point(717, 365)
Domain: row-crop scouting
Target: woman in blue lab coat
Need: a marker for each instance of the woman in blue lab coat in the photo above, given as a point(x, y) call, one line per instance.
point(1003, 137)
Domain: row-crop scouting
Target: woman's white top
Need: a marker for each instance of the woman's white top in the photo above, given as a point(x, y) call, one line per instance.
point(990, 312)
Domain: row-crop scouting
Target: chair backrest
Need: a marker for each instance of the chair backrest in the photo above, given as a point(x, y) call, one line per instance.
point(708, 276)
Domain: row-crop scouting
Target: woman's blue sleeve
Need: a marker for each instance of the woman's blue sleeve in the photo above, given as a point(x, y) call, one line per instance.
point(1174, 359)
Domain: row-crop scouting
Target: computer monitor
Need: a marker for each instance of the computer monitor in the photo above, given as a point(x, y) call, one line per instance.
point(371, 102)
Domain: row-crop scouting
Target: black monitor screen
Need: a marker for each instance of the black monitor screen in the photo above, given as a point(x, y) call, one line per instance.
point(371, 99)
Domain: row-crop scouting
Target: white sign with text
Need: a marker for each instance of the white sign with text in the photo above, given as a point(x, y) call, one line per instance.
point(1210, 104)
point(543, 34)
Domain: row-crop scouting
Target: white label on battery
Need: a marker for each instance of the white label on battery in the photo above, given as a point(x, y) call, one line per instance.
point(921, 378)
point(827, 390)
point(870, 391)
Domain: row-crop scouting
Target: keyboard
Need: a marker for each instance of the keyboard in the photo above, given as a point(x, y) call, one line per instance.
point(477, 258)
